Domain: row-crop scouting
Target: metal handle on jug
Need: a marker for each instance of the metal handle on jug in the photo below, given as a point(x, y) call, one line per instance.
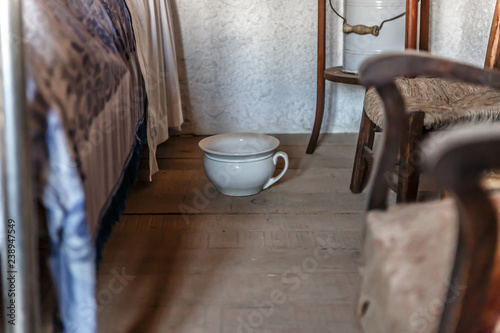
point(360, 29)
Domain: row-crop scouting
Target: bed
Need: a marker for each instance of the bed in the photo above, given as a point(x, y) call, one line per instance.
point(94, 103)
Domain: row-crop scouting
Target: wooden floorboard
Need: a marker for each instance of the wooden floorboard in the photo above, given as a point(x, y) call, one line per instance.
point(187, 259)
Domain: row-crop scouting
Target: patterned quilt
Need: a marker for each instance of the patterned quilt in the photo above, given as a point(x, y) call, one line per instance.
point(87, 96)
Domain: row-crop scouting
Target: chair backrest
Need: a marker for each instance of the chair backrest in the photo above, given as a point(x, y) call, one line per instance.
point(493, 52)
point(455, 165)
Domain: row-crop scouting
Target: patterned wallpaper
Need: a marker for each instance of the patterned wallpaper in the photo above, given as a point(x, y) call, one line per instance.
point(251, 65)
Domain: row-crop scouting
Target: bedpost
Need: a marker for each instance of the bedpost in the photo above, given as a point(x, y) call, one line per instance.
point(17, 183)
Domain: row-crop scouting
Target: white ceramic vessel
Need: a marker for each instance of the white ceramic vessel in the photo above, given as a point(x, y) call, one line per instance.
point(242, 164)
point(357, 48)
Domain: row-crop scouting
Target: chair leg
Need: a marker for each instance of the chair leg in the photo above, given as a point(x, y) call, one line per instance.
point(361, 168)
point(409, 173)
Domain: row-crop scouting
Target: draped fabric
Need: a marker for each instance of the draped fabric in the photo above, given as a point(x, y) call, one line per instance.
point(152, 22)
point(89, 77)
point(86, 96)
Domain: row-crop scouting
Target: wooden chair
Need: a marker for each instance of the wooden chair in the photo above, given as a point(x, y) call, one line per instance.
point(440, 104)
point(435, 266)
point(335, 74)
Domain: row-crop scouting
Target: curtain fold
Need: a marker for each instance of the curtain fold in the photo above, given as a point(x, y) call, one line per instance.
point(153, 27)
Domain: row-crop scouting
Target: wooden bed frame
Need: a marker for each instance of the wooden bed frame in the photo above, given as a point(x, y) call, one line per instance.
point(17, 192)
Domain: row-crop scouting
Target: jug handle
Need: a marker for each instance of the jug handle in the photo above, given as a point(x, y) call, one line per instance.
point(361, 29)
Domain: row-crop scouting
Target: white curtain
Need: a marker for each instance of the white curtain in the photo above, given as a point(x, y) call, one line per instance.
point(152, 22)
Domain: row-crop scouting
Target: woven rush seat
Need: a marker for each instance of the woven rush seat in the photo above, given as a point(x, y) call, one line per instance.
point(444, 102)
point(409, 252)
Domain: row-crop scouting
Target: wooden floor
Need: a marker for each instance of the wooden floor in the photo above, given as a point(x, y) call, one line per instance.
point(285, 260)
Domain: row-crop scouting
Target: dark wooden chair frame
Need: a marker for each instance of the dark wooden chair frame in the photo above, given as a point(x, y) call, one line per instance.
point(456, 166)
point(409, 174)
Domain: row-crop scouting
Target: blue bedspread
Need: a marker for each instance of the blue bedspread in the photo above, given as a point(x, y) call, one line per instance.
point(87, 96)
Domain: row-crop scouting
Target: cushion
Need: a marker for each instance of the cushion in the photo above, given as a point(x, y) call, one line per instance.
point(408, 256)
point(444, 102)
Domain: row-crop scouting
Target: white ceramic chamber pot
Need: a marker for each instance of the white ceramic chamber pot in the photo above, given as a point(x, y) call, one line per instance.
point(241, 164)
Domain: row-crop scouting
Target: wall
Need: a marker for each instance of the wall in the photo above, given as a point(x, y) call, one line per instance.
point(251, 65)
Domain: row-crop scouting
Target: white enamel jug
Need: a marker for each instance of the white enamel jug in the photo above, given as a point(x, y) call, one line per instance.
point(364, 16)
